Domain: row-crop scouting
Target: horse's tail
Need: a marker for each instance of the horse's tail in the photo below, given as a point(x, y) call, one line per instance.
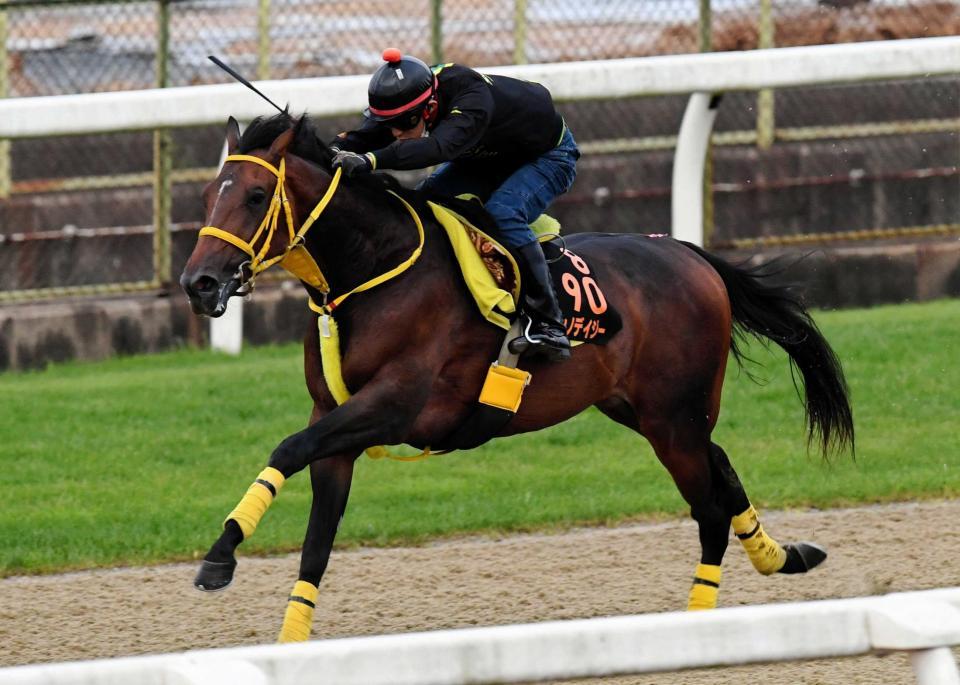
point(774, 312)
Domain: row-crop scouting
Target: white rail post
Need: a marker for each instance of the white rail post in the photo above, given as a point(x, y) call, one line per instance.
point(686, 202)
point(923, 627)
point(935, 667)
point(226, 331)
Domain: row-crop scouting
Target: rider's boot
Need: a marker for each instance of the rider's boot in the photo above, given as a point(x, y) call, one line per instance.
point(543, 332)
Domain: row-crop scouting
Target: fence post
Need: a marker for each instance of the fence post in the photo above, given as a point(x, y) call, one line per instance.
point(263, 44)
point(5, 172)
point(765, 104)
point(520, 32)
point(162, 163)
point(704, 32)
point(436, 31)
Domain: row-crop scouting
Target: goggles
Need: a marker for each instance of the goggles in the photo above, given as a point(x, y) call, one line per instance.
point(405, 121)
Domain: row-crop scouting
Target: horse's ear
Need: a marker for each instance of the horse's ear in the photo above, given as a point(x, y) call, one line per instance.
point(282, 142)
point(233, 135)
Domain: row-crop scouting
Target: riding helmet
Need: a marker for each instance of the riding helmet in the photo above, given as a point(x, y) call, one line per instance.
point(403, 85)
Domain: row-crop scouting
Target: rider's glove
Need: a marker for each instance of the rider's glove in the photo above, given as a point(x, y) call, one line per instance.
point(353, 164)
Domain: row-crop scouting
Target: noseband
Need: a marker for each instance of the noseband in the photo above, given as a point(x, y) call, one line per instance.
point(295, 258)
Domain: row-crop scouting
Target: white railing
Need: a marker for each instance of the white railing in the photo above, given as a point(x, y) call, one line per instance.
point(925, 624)
point(569, 81)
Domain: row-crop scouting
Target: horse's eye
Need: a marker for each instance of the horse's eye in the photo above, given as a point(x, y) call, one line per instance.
point(256, 197)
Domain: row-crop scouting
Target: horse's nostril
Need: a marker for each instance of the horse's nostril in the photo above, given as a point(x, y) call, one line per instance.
point(205, 285)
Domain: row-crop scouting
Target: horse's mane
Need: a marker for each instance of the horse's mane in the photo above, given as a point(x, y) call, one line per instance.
point(307, 144)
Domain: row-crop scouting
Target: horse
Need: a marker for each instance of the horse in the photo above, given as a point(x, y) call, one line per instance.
point(414, 351)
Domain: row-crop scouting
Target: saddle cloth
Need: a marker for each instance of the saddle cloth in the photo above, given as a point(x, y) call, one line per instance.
point(493, 279)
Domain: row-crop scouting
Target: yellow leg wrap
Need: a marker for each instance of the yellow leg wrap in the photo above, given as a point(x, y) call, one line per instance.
point(706, 587)
point(254, 503)
point(766, 554)
point(299, 616)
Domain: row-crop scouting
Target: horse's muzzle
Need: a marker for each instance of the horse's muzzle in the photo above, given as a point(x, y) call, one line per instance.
point(208, 295)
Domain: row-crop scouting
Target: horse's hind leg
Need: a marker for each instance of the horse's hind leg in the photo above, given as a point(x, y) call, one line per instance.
point(331, 480)
point(711, 487)
point(765, 553)
point(688, 461)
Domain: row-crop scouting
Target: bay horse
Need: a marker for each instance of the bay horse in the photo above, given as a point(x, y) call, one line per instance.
point(414, 350)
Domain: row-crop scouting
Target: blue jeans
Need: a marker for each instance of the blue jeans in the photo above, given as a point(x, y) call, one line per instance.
point(513, 197)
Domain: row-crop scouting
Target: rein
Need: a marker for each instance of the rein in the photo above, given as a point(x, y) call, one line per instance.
point(328, 308)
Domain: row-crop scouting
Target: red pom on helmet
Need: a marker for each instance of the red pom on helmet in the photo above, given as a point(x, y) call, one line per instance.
point(392, 55)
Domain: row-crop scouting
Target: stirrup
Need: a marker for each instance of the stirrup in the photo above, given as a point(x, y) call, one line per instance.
point(533, 344)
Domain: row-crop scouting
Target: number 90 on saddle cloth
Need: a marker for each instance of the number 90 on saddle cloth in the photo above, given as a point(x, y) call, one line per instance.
point(492, 276)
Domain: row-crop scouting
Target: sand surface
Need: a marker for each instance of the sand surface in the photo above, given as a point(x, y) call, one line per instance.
point(638, 568)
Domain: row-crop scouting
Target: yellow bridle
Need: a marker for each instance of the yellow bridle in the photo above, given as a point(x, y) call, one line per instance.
point(295, 258)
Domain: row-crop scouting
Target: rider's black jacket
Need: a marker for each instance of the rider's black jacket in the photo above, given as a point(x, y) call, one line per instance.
point(480, 117)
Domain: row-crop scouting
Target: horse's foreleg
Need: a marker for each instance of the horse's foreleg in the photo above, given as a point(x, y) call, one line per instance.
point(331, 485)
point(766, 554)
point(379, 414)
point(216, 572)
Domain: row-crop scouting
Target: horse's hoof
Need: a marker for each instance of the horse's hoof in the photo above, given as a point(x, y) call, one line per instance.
point(803, 556)
point(215, 575)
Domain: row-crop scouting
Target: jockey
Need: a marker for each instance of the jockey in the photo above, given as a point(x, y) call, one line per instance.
point(498, 138)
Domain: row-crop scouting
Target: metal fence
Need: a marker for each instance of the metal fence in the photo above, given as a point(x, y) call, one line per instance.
point(118, 212)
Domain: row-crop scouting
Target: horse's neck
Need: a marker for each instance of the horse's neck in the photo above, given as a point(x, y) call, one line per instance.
point(356, 239)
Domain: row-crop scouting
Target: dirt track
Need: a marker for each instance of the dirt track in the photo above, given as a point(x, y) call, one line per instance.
point(579, 574)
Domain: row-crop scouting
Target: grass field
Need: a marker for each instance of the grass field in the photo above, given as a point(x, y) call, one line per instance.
point(138, 459)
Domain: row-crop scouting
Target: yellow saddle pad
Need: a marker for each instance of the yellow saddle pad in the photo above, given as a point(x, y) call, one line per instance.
point(488, 268)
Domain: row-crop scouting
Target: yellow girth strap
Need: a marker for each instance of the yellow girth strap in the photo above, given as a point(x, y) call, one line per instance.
point(330, 336)
point(295, 257)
